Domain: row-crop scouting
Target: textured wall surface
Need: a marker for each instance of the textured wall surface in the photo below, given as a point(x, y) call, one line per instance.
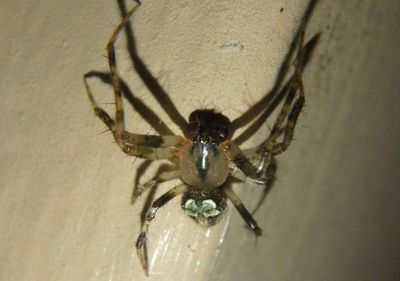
point(65, 187)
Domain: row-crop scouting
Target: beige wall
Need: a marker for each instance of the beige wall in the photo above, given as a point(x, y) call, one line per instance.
point(65, 188)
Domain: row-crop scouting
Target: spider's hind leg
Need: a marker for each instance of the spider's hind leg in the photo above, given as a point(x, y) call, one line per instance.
point(242, 210)
point(161, 177)
point(141, 242)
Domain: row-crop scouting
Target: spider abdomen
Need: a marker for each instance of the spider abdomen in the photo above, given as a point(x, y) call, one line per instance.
point(204, 206)
point(204, 165)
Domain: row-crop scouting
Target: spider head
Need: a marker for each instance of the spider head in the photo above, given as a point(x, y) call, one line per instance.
point(204, 206)
point(207, 124)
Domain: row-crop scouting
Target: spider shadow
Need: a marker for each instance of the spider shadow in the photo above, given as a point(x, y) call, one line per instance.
point(263, 108)
point(271, 100)
point(257, 113)
point(147, 77)
point(140, 107)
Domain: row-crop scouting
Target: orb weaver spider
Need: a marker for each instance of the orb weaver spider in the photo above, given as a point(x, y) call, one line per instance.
point(206, 156)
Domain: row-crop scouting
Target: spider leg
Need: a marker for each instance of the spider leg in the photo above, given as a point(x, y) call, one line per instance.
point(279, 96)
point(242, 162)
point(162, 177)
point(149, 80)
point(132, 139)
point(291, 108)
point(287, 129)
point(144, 146)
point(290, 111)
point(269, 102)
point(266, 171)
point(116, 83)
point(149, 115)
point(141, 242)
point(242, 210)
point(269, 174)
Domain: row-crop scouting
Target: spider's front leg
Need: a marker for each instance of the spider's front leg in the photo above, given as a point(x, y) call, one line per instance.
point(268, 169)
point(291, 108)
point(141, 242)
point(144, 146)
point(263, 174)
point(271, 145)
point(242, 162)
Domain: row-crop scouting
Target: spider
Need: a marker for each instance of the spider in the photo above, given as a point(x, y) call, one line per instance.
point(206, 157)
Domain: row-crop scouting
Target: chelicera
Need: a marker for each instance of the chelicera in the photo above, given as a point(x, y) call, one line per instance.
point(206, 156)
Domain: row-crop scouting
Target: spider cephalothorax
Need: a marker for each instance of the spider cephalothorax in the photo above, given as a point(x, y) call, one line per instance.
point(204, 163)
point(205, 158)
